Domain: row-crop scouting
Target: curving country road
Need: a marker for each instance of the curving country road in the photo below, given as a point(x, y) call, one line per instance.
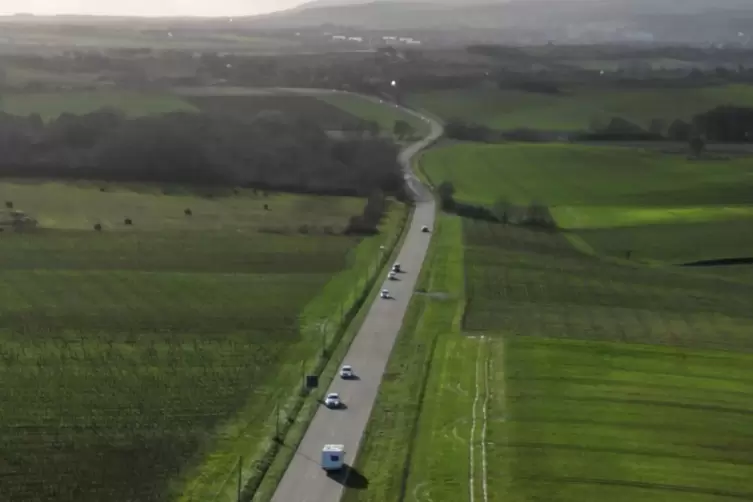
point(304, 480)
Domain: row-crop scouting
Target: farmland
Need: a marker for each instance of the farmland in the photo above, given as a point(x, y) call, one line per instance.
point(51, 105)
point(120, 34)
point(382, 114)
point(575, 109)
point(132, 355)
point(615, 199)
point(326, 115)
point(530, 370)
point(330, 111)
point(531, 392)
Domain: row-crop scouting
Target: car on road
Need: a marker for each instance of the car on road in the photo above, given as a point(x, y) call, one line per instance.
point(332, 400)
point(396, 267)
point(392, 276)
point(425, 229)
point(346, 371)
point(385, 294)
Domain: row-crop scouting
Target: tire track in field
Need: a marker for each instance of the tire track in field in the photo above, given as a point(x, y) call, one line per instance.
point(483, 369)
point(472, 440)
point(487, 369)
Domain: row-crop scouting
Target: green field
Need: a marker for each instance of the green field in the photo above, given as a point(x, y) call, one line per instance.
point(331, 112)
point(383, 114)
point(519, 386)
point(136, 37)
point(577, 108)
point(615, 199)
point(51, 105)
point(130, 357)
point(327, 115)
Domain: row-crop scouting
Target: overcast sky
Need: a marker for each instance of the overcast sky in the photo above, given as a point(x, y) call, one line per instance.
point(146, 7)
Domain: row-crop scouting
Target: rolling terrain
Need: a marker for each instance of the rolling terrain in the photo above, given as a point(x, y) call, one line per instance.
point(653, 204)
point(529, 370)
point(578, 108)
point(144, 331)
point(165, 320)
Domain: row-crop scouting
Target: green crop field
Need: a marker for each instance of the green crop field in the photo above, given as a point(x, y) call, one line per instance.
point(577, 108)
point(524, 281)
point(51, 105)
point(131, 357)
point(332, 112)
point(366, 109)
point(513, 380)
point(328, 116)
point(615, 199)
point(18, 76)
point(134, 37)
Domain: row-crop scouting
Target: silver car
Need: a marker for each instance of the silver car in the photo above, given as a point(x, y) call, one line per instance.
point(332, 400)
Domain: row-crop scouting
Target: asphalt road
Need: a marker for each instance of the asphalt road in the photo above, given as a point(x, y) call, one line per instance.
point(304, 480)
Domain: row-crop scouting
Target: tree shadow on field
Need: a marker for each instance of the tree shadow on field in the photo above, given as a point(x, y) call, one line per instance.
point(349, 477)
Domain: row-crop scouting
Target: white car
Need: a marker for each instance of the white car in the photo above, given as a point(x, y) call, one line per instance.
point(332, 400)
point(384, 294)
point(392, 276)
point(346, 371)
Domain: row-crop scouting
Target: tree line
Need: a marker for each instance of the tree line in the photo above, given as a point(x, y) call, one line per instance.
point(269, 150)
point(724, 124)
point(534, 215)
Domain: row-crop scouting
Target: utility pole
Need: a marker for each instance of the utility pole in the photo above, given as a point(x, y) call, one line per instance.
point(323, 333)
point(277, 422)
point(240, 476)
point(303, 375)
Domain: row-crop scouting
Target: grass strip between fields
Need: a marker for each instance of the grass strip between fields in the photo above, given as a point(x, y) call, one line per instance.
point(261, 488)
point(385, 458)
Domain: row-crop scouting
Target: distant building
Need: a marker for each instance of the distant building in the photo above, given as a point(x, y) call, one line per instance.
point(356, 39)
point(338, 37)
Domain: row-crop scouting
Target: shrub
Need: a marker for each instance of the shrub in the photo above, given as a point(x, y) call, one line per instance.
point(446, 193)
point(9, 204)
point(680, 130)
point(696, 145)
point(98, 227)
point(128, 221)
point(188, 212)
point(357, 225)
point(539, 216)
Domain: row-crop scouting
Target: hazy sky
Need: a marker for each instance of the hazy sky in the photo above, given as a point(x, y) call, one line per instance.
point(146, 7)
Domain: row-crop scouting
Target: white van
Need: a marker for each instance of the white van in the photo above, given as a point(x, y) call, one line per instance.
point(333, 457)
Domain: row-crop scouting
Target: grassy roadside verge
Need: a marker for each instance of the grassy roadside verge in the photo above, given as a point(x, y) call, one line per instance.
point(262, 487)
point(384, 459)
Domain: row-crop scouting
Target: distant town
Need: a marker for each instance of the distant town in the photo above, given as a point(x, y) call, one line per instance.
point(387, 39)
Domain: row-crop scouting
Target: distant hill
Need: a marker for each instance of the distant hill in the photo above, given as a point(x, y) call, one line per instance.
point(685, 20)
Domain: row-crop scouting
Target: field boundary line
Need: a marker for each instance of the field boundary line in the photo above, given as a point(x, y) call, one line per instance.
point(471, 448)
point(484, 470)
point(421, 396)
point(425, 277)
point(459, 307)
